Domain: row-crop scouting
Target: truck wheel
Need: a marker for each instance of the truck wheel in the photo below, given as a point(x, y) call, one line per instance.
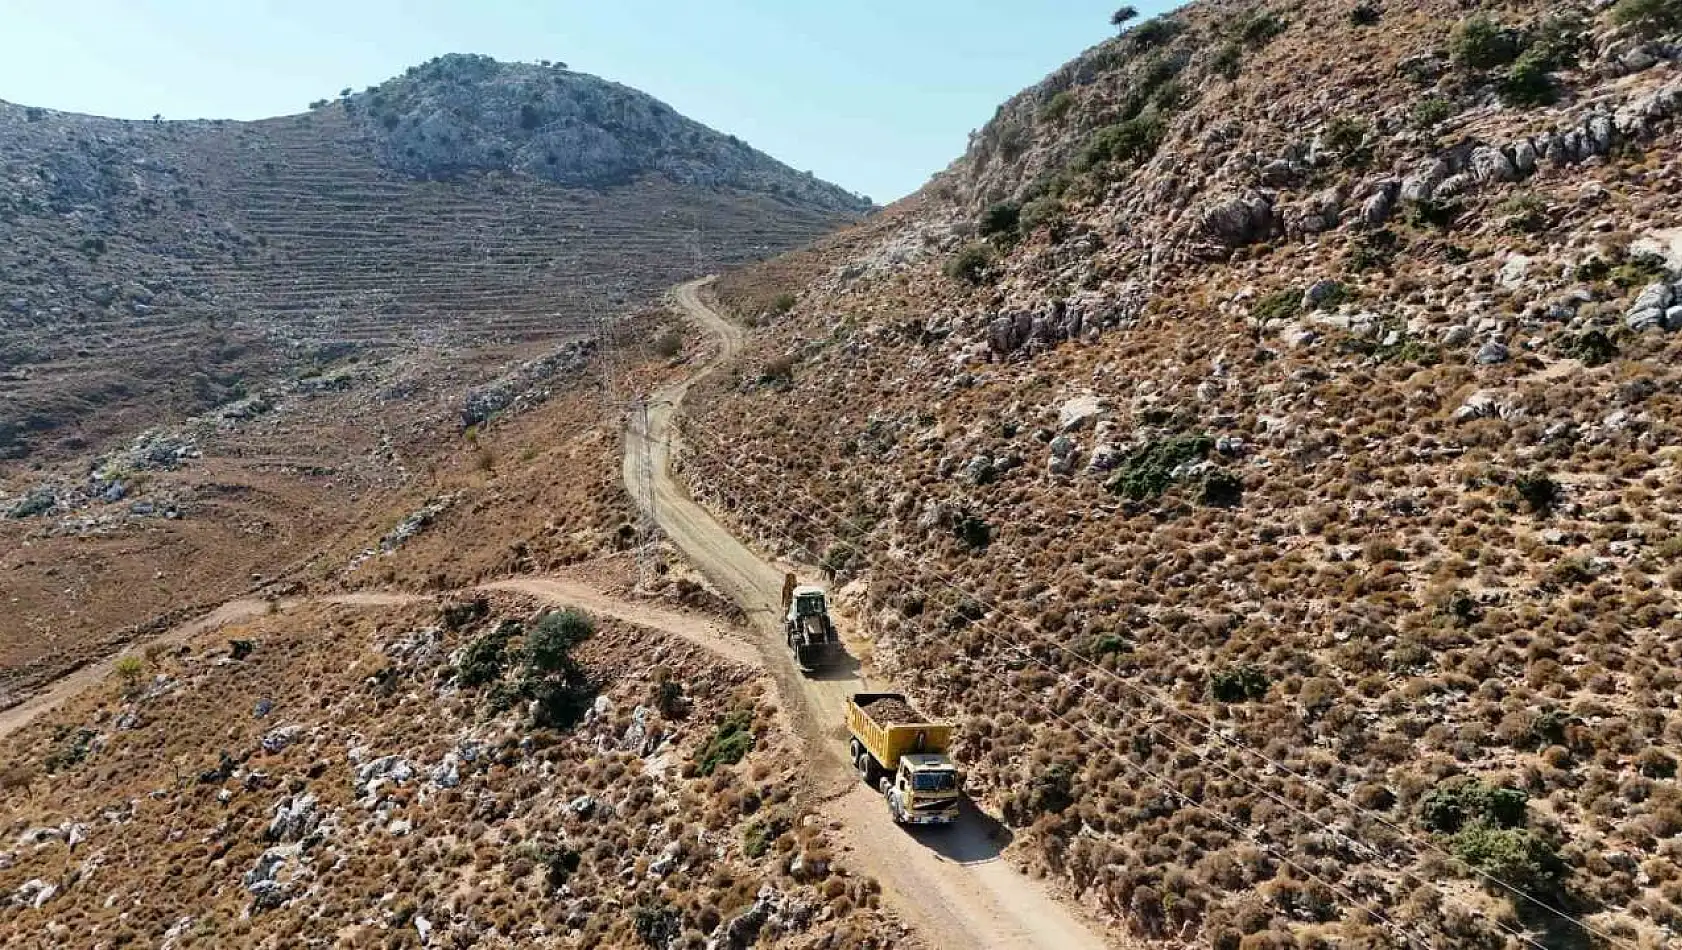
point(863, 765)
point(853, 750)
point(885, 785)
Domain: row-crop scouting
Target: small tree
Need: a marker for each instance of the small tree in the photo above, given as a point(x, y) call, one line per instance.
point(1124, 16)
point(549, 646)
point(129, 669)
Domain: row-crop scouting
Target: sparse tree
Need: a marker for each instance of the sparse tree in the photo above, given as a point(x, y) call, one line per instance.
point(1124, 16)
point(129, 669)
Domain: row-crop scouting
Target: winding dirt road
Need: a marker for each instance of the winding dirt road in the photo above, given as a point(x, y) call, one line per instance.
point(950, 885)
point(556, 591)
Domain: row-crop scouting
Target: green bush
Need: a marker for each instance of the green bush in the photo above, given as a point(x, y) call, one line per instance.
point(1259, 27)
point(71, 748)
point(1108, 643)
point(783, 304)
point(729, 743)
point(1347, 136)
point(1462, 801)
point(970, 264)
point(1222, 489)
point(32, 505)
point(756, 840)
point(1279, 305)
point(1526, 213)
point(1558, 41)
point(1235, 684)
point(1058, 106)
point(1480, 42)
point(1136, 139)
point(657, 927)
point(1594, 348)
point(1650, 18)
point(549, 645)
point(1228, 61)
point(1432, 111)
point(1539, 492)
point(486, 656)
point(1000, 219)
point(838, 557)
point(668, 344)
point(559, 704)
point(1155, 32)
point(1052, 790)
point(1147, 471)
point(1039, 213)
point(974, 532)
point(1529, 83)
point(1515, 856)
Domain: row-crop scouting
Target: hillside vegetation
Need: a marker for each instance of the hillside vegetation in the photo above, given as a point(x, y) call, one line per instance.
point(236, 354)
point(1264, 439)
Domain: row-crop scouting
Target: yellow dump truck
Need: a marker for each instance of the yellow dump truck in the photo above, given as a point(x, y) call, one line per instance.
point(897, 750)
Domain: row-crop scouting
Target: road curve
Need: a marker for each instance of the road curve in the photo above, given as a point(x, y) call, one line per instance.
point(556, 591)
point(949, 885)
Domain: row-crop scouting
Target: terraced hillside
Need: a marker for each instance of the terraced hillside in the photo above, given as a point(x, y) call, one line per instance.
point(153, 269)
point(235, 352)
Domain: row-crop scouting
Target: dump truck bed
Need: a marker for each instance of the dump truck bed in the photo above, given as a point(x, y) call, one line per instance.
point(889, 726)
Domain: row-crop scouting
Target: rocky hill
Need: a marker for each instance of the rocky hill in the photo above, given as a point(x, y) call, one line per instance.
point(236, 351)
point(479, 772)
point(471, 114)
point(1264, 438)
point(151, 270)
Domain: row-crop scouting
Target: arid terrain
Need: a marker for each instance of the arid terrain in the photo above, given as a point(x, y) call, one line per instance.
point(1260, 444)
point(232, 352)
point(1275, 477)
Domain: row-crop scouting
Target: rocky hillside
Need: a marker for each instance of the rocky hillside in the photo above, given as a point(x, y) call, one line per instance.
point(152, 270)
point(469, 773)
point(471, 114)
point(1264, 439)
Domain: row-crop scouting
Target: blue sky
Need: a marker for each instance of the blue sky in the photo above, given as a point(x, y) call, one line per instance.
point(875, 95)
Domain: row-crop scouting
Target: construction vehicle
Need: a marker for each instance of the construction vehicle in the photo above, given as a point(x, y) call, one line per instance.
point(898, 751)
point(806, 624)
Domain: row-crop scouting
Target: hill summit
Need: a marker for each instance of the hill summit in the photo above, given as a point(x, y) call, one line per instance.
point(466, 113)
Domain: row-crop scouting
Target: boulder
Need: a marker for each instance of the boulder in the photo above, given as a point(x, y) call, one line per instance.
point(1492, 353)
point(1238, 220)
point(1381, 203)
point(1514, 271)
point(276, 740)
point(1524, 156)
point(1491, 165)
point(448, 772)
point(1319, 292)
point(1076, 413)
point(34, 893)
point(293, 819)
point(979, 470)
point(1650, 307)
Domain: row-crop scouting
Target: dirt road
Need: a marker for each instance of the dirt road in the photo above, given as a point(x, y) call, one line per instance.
point(949, 884)
point(558, 591)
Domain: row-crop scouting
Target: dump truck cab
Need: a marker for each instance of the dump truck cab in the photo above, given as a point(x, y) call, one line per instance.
point(924, 791)
point(902, 753)
point(806, 625)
